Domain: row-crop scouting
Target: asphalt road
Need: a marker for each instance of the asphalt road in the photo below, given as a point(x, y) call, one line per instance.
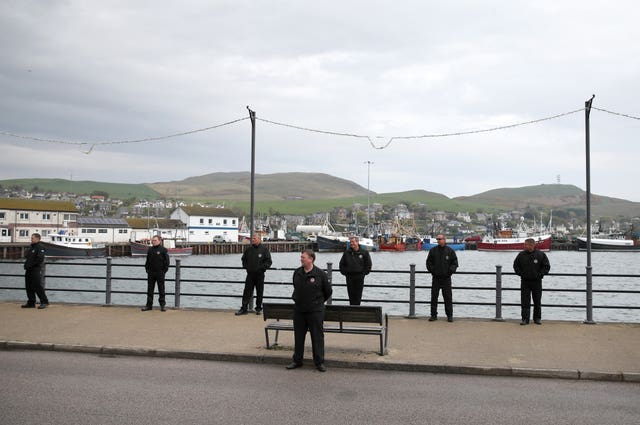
point(72, 388)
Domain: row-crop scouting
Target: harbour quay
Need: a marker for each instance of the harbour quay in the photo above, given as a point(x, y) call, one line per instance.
point(15, 251)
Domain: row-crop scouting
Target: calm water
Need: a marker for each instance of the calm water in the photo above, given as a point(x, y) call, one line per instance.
point(128, 275)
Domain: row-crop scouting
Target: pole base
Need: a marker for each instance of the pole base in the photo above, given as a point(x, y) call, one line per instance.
point(589, 322)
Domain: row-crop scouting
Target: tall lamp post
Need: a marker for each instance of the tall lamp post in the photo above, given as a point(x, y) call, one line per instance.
point(587, 111)
point(252, 116)
point(368, 193)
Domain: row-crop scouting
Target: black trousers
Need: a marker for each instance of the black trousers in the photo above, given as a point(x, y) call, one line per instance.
point(444, 283)
point(313, 322)
point(152, 279)
point(531, 289)
point(253, 280)
point(355, 285)
point(33, 286)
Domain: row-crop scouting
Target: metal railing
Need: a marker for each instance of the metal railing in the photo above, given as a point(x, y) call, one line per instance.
point(409, 288)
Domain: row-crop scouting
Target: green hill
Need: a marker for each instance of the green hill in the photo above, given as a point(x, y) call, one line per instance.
point(115, 190)
point(268, 187)
point(559, 197)
point(308, 193)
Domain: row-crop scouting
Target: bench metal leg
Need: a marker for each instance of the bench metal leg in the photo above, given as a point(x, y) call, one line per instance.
point(276, 341)
point(266, 336)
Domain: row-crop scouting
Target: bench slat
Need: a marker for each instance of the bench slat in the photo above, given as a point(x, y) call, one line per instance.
point(340, 314)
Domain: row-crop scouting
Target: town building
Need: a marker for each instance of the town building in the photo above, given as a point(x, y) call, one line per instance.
point(20, 218)
point(104, 230)
point(203, 224)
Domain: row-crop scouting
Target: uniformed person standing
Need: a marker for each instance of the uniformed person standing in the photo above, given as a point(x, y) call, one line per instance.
point(33, 274)
point(531, 265)
point(157, 265)
point(355, 264)
point(256, 259)
point(442, 262)
point(311, 288)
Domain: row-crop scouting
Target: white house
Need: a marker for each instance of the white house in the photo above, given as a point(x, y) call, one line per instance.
point(203, 224)
point(20, 218)
point(104, 230)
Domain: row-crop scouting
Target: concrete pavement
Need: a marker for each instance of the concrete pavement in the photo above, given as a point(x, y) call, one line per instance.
point(570, 350)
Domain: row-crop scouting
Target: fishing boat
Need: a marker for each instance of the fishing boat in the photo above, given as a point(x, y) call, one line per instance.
point(606, 244)
point(429, 242)
point(391, 244)
point(505, 239)
point(140, 248)
point(490, 243)
point(609, 240)
point(367, 244)
point(63, 245)
point(332, 242)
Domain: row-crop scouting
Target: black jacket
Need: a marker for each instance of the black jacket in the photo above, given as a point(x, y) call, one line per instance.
point(442, 261)
point(310, 290)
point(35, 257)
point(355, 262)
point(531, 265)
point(157, 260)
point(256, 259)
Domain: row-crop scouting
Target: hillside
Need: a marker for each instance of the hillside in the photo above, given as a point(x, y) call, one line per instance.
point(307, 193)
point(115, 190)
point(556, 197)
point(269, 187)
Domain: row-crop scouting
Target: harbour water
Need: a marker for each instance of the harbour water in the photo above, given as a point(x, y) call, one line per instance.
point(201, 277)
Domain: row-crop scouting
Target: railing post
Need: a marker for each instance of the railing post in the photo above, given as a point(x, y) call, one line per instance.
point(176, 296)
point(107, 292)
point(498, 317)
point(329, 275)
point(412, 291)
point(589, 320)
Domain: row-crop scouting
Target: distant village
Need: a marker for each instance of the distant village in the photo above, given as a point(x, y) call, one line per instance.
point(111, 220)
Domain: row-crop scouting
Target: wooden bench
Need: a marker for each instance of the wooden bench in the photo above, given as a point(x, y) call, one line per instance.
point(337, 319)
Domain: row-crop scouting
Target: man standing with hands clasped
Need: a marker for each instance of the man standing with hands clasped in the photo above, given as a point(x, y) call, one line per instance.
point(255, 260)
point(442, 262)
point(355, 264)
point(531, 265)
point(32, 275)
point(157, 265)
point(311, 288)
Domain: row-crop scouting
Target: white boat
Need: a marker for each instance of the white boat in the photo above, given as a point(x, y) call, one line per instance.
point(62, 245)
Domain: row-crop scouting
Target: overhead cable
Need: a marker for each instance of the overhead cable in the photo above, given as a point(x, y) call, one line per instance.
point(424, 136)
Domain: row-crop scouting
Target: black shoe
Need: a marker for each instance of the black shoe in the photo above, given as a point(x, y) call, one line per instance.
point(241, 312)
point(433, 318)
point(162, 308)
point(321, 367)
point(449, 319)
point(43, 305)
point(258, 310)
point(146, 308)
point(27, 305)
point(537, 321)
point(294, 365)
point(524, 322)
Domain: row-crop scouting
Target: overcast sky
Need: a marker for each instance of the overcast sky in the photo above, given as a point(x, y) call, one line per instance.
point(96, 71)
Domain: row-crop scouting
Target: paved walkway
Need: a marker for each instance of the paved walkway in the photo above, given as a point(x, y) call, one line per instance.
point(555, 349)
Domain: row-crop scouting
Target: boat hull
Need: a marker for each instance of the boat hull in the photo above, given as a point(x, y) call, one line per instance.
point(599, 244)
point(59, 251)
point(332, 244)
point(454, 246)
point(512, 244)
